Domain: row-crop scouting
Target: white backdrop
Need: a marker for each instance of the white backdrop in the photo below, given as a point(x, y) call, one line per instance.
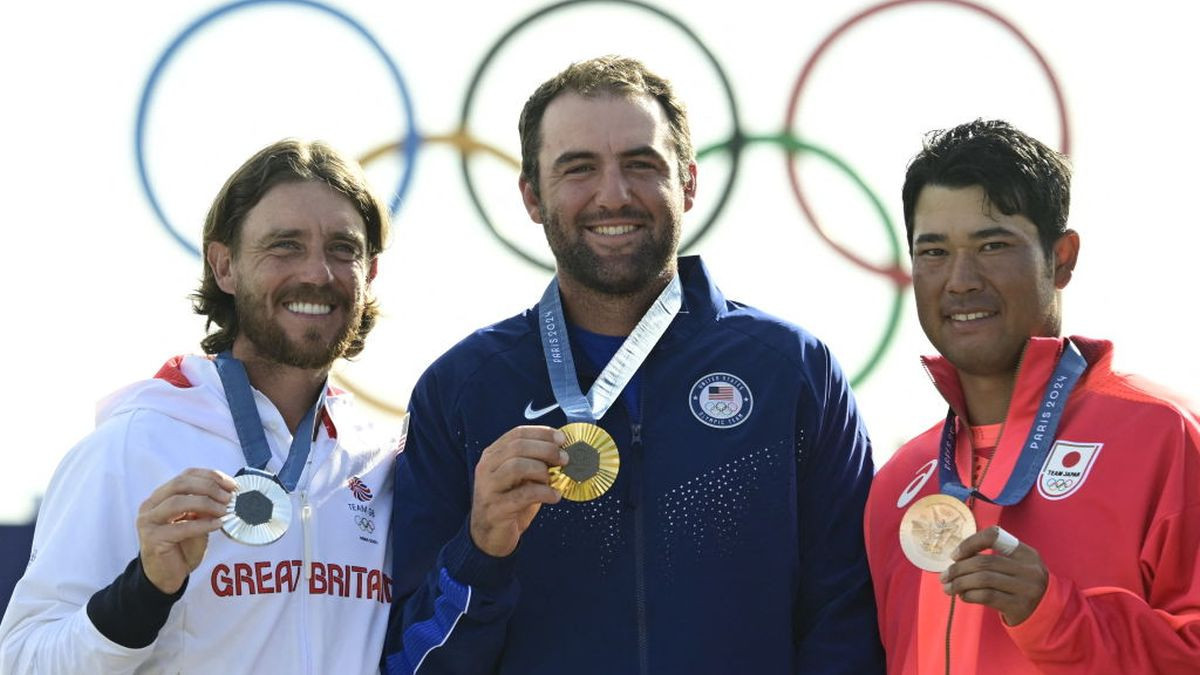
point(98, 285)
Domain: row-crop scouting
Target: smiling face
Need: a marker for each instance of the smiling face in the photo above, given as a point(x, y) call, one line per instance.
point(982, 281)
point(299, 276)
point(611, 199)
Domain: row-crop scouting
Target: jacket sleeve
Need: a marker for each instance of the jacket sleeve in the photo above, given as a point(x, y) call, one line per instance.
point(835, 615)
point(63, 611)
point(452, 601)
point(1114, 630)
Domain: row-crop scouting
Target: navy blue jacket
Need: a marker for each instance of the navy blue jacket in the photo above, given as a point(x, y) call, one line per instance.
point(731, 541)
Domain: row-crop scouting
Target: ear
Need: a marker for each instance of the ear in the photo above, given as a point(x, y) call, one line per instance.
point(689, 188)
point(1066, 252)
point(220, 260)
point(373, 269)
point(532, 203)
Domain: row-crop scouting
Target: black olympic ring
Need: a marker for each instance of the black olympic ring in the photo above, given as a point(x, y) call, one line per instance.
point(1058, 483)
point(726, 408)
point(734, 144)
point(365, 524)
point(410, 136)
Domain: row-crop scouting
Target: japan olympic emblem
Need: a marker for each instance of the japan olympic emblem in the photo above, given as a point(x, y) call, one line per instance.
point(720, 400)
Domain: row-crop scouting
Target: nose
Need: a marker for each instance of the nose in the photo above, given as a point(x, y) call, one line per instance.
point(964, 274)
point(613, 191)
point(317, 269)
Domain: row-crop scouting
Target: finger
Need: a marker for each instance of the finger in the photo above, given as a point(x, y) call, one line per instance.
point(1005, 544)
point(515, 501)
point(210, 482)
point(516, 471)
point(976, 543)
point(171, 508)
point(539, 444)
point(177, 532)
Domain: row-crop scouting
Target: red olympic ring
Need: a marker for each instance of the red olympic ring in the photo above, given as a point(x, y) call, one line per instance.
point(897, 274)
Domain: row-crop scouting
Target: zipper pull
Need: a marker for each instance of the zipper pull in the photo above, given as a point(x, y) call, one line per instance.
point(306, 529)
point(637, 434)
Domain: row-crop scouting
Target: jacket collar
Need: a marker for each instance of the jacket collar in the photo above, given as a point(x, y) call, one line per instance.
point(702, 302)
point(1037, 363)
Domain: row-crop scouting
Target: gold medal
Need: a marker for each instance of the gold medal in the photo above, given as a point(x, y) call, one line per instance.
point(932, 528)
point(593, 463)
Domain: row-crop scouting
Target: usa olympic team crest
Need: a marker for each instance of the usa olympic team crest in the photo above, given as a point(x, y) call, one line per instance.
point(721, 400)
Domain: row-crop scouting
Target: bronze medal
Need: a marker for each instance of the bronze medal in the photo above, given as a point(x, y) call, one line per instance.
point(932, 528)
point(593, 466)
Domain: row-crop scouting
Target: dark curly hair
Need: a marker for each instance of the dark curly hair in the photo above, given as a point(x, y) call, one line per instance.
point(286, 161)
point(1019, 174)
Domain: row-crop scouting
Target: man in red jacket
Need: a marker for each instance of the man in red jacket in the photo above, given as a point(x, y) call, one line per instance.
point(1051, 522)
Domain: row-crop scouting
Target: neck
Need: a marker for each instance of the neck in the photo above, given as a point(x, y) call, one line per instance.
point(605, 313)
point(293, 390)
point(987, 397)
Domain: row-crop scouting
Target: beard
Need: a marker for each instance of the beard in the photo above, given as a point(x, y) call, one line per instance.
point(312, 351)
point(647, 264)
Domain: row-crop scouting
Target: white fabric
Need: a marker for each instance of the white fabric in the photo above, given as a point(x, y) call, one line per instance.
point(85, 536)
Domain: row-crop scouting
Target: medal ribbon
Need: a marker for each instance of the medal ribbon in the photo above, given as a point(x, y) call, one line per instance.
point(249, 425)
point(1037, 444)
point(620, 369)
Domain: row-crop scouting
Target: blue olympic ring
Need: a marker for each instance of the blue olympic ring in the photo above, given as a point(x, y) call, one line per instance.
point(409, 143)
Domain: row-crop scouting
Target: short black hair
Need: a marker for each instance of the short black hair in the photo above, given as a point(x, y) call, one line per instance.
point(1019, 174)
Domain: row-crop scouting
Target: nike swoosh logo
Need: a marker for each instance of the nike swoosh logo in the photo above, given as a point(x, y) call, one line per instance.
point(531, 414)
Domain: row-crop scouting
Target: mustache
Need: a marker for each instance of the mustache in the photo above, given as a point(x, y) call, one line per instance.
point(320, 295)
point(623, 213)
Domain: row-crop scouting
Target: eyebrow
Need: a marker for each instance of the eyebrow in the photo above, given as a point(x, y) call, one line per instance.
point(985, 233)
point(576, 155)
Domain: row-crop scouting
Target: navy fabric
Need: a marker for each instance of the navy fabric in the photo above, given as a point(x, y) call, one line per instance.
point(598, 350)
point(15, 544)
point(730, 542)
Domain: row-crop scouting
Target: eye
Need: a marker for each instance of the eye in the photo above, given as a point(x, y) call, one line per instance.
point(994, 246)
point(285, 245)
point(577, 169)
point(346, 250)
point(931, 252)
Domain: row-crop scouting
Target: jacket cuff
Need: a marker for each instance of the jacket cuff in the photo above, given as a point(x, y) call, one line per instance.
point(1030, 635)
point(131, 610)
point(471, 566)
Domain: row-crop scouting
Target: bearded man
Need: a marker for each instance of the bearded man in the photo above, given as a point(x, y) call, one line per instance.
point(250, 439)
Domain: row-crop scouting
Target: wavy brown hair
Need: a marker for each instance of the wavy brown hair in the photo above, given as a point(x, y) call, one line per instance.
point(611, 75)
point(286, 161)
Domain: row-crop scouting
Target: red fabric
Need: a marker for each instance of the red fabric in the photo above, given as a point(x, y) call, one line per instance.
point(1121, 549)
point(172, 371)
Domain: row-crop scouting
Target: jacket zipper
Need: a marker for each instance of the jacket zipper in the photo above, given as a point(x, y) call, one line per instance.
point(971, 472)
point(639, 548)
point(306, 564)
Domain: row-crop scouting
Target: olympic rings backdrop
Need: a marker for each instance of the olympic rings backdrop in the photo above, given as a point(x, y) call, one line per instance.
point(122, 120)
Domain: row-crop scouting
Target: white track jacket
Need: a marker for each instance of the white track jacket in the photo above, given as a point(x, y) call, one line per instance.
point(315, 601)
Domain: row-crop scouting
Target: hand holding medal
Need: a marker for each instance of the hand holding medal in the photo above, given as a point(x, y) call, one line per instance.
point(174, 522)
point(512, 481)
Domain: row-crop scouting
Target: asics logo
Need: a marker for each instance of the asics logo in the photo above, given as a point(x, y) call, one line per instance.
point(531, 414)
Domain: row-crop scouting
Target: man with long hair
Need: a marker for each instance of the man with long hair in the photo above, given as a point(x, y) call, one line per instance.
point(127, 574)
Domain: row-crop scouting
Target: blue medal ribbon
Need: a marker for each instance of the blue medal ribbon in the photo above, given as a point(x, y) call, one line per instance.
point(619, 370)
point(1037, 444)
point(249, 425)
